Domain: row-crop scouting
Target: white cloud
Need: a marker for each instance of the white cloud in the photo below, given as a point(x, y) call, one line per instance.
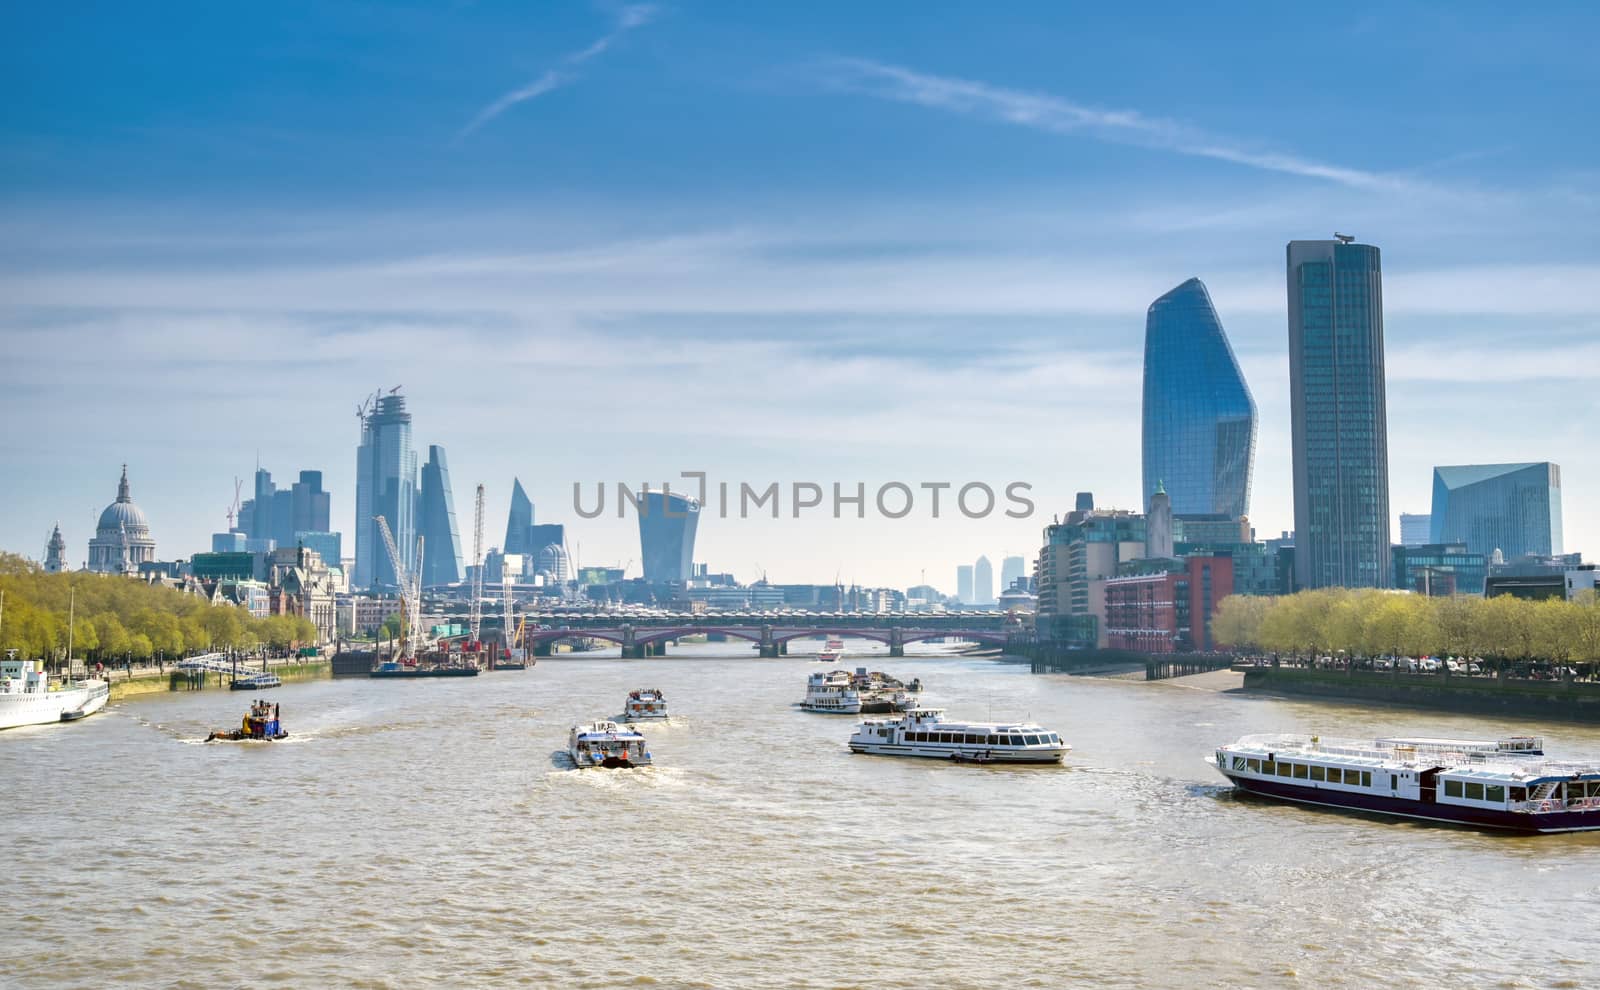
point(1056, 115)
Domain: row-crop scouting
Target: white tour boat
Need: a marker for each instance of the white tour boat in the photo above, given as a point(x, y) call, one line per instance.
point(832, 693)
point(1497, 783)
point(644, 703)
point(925, 732)
point(606, 744)
point(27, 698)
point(831, 651)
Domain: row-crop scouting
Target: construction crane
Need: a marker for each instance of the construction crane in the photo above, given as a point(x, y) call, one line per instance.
point(410, 592)
point(477, 568)
point(505, 621)
point(233, 510)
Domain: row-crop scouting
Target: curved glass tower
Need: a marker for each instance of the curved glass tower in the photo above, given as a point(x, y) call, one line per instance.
point(1199, 416)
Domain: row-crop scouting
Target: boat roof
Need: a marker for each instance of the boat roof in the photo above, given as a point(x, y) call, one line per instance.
point(605, 729)
point(1474, 763)
point(944, 725)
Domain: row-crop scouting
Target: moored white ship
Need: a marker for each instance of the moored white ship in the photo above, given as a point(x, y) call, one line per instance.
point(1501, 784)
point(832, 693)
point(606, 744)
point(26, 697)
point(925, 732)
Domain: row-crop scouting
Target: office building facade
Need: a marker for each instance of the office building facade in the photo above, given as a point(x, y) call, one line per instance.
point(1199, 423)
point(441, 540)
point(1339, 415)
point(1513, 508)
point(982, 582)
point(386, 485)
point(964, 584)
point(667, 524)
point(1415, 529)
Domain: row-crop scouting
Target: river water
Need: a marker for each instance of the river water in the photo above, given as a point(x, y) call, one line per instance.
point(429, 834)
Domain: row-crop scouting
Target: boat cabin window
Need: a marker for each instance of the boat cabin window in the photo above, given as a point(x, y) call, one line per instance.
point(1394, 782)
point(1300, 771)
point(1031, 740)
point(1366, 778)
point(1519, 794)
point(975, 740)
point(1494, 792)
point(1268, 767)
point(1316, 772)
point(1335, 775)
point(1284, 768)
point(1474, 791)
point(1254, 765)
point(1452, 788)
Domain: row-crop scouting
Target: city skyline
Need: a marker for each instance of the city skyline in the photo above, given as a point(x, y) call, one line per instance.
point(608, 253)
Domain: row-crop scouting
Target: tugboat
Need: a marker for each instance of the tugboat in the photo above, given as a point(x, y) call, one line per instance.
point(606, 744)
point(644, 703)
point(261, 724)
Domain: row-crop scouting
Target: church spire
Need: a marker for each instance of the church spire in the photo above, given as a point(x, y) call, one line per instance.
point(122, 487)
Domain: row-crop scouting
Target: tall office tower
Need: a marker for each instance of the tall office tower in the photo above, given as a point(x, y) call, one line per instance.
point(983, 582)
point(1011, 568)
point(964, 584)
point(541, 535)
point(666, 535)
point(309, 504)
point(518, 520)
point(386, 485)
point(1415, 530)
point(260, 523)
point(1340, 424)
point(441, 541)
point(1199, 416)
point(1513, 508)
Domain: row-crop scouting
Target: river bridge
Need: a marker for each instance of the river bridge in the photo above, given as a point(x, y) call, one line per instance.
point(644, 635)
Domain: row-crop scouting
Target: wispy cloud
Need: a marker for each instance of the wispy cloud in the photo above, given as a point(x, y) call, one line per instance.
point(566, 70)
point(1054, 115)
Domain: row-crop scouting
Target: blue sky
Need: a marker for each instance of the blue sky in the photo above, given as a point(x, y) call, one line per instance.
point(803, 242)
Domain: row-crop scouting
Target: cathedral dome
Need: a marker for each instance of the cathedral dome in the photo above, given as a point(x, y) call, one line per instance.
point(123, 514)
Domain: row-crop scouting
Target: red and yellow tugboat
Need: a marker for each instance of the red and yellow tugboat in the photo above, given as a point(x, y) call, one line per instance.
point(262, 723)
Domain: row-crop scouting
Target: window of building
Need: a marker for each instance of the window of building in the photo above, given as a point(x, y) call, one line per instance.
point(1452, 788)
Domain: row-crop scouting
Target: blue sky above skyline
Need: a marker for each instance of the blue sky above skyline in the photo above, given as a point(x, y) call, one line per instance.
point(613, 242)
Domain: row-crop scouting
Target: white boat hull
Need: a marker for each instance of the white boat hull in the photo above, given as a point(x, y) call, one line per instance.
point(965, 754)
point(44, 707)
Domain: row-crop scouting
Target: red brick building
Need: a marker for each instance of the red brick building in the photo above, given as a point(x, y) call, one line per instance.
point(1168, 610)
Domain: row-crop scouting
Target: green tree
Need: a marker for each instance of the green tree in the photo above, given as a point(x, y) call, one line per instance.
point(85, 638)
point(113, 637)
point(139, 646)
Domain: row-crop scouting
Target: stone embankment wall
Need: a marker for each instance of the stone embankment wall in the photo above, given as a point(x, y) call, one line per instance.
point(1570, 701)
point(156, 682)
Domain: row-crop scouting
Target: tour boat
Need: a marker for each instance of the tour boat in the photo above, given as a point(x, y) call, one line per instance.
point(925, 732)
point(1501, 784)
point(261, 725)
point(606, 744)
point(832, 693)
point(644, 703)
point(26, 697)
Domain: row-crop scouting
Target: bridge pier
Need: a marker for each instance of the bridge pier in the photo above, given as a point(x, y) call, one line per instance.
point(545, 648)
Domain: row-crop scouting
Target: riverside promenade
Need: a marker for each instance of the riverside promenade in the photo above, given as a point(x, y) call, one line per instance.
point(129, 680)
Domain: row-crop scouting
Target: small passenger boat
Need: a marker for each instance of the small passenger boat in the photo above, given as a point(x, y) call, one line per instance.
point(1499, 783)
point(644, 703)
point(261, 724)
point(925, 732)
point(606, 744)
point(832, 693)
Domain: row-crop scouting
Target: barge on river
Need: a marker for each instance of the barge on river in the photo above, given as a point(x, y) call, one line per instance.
point(1499, 784)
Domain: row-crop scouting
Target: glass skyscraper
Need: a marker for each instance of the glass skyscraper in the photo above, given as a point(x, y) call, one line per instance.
point(1513, 508)
point(666, 535)
point(1199, 416)
point(386, 485)
point(1340, 423)
point(518, 520)
point(441, 541)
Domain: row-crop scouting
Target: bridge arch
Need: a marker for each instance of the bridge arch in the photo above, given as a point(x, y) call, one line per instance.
point(785, 635)
point(980, 635)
